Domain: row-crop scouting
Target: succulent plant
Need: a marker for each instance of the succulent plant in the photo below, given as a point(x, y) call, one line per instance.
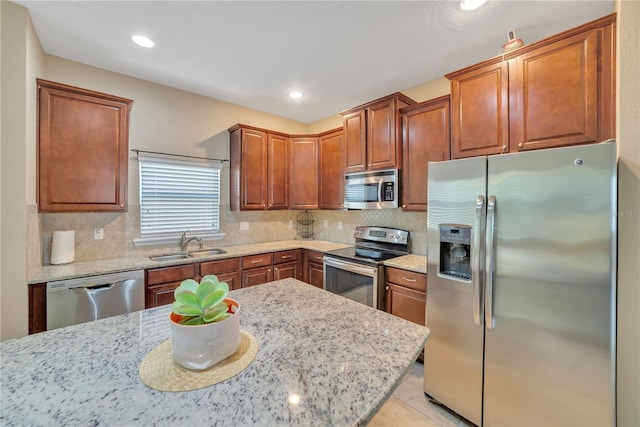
point(200, 303)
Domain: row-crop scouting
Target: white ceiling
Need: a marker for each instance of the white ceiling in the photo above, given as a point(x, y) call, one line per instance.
point(338, 53)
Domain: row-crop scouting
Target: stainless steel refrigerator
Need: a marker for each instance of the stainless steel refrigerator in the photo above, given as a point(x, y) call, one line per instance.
point(521, 277)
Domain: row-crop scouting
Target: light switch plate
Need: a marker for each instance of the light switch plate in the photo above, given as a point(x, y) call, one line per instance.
point(244, 225)
point(98, 233)
point(339, 225)
point(326, 223)
point(290, 223)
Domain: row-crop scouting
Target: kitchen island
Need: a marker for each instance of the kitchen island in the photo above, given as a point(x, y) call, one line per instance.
point(322, 360)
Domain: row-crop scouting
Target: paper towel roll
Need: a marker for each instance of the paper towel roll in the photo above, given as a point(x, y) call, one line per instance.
point(62, 247)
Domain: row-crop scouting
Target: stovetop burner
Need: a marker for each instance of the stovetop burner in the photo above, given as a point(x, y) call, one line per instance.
point(374, 245)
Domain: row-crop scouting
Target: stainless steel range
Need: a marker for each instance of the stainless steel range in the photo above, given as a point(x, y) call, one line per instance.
point(356, 272)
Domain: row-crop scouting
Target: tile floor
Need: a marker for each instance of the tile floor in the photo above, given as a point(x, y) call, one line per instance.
point(408, 406)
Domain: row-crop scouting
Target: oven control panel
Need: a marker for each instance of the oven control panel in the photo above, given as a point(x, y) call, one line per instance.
point(382, 234)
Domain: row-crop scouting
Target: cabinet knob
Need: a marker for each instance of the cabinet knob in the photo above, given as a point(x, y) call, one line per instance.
point(521, 146)
point(386, 288)
point(504, 148)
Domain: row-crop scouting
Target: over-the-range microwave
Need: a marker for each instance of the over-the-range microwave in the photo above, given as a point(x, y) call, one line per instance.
point(371, 190)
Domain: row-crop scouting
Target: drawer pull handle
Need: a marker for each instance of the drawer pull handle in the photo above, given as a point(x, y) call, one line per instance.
point(319, 258)
point(286, 256)
point(256, 261)
point(409, 280)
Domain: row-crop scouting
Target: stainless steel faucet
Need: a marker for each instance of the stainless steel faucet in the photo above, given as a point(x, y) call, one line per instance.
point(184, 242)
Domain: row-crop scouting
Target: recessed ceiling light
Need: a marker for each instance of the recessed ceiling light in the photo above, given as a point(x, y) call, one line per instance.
point(471, 4)
point(295, 94)
point(142, 40)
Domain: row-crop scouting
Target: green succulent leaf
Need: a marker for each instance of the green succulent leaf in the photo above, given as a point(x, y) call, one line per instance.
point(223, 316)
point(193, 321)
point(186, 310)
point(187, 298)
point(212, 300)
point(210, 278)
point(215, 313)
point(189, 285)
point(206, 288)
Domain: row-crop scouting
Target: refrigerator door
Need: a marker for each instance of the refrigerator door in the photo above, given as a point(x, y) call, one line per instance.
point(453, 356)
point(550, 328)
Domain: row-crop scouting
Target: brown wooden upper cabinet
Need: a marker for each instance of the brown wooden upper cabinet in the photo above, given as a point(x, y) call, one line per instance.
point(372, 134)
point(259, 169)
point(425, 138)
point(331, 164)
point(556, 92)
point(303, 176)
point(277, 172)
point(83, 140)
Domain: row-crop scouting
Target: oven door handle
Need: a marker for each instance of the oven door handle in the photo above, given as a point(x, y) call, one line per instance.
point(347, 266)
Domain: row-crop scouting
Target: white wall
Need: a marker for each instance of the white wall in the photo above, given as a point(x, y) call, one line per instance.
point(628, 136)
point(21, 59)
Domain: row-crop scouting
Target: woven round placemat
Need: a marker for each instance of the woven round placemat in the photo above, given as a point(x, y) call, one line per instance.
point(160, 372)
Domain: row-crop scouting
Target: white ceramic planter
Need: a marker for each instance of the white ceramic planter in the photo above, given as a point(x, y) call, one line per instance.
point(199, 347)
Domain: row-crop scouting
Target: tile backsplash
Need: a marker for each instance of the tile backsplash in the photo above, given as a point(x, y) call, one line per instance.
point(121, 228)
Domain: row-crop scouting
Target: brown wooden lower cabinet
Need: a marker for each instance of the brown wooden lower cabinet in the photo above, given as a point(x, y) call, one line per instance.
point(257, 269)
point(313, 271)
point(288, 264)
point(406, 294)
point(226, 270)
point(161, 282)
point(37, 308)
point(257, 276)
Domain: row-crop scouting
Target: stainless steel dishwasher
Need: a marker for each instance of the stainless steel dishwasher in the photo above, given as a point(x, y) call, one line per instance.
point(94, 297)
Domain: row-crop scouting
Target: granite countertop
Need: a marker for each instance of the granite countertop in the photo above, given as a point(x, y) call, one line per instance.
point(417, 263)
point(343, 358)
point(49, 273)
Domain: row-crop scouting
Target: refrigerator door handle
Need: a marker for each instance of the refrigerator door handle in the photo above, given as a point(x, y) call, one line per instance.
point(489, 266)
point(476, 272)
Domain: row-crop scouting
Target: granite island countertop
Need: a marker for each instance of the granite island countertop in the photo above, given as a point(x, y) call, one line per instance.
point(49, 273)
point(342, 358)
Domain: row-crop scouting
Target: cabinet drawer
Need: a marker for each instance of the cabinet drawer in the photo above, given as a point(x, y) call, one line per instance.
point(218, 267)
point(408, 279)
point(286, 256)
point(315, 256)
point(171, 274)
point(254, 261)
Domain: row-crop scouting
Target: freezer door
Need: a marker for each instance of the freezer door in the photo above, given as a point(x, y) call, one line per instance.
point(453, 355)
point(549, 357)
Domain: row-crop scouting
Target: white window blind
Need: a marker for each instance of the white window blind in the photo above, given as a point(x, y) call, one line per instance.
point(178, 195)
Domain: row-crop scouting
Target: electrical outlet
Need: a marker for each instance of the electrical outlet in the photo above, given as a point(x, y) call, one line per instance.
point(326, 223)
point(244, 225)
point(290, 223)
point(339, 225)
point(98, 233)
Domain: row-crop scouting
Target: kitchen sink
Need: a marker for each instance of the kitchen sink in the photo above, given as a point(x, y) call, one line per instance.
point(186, 255)
point(168, 257)
point(207, 252)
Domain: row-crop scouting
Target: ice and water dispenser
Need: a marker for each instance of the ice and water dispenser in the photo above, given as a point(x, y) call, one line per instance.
point(455, 251)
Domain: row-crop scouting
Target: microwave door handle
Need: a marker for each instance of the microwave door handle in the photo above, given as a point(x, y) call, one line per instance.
point(380, 195)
